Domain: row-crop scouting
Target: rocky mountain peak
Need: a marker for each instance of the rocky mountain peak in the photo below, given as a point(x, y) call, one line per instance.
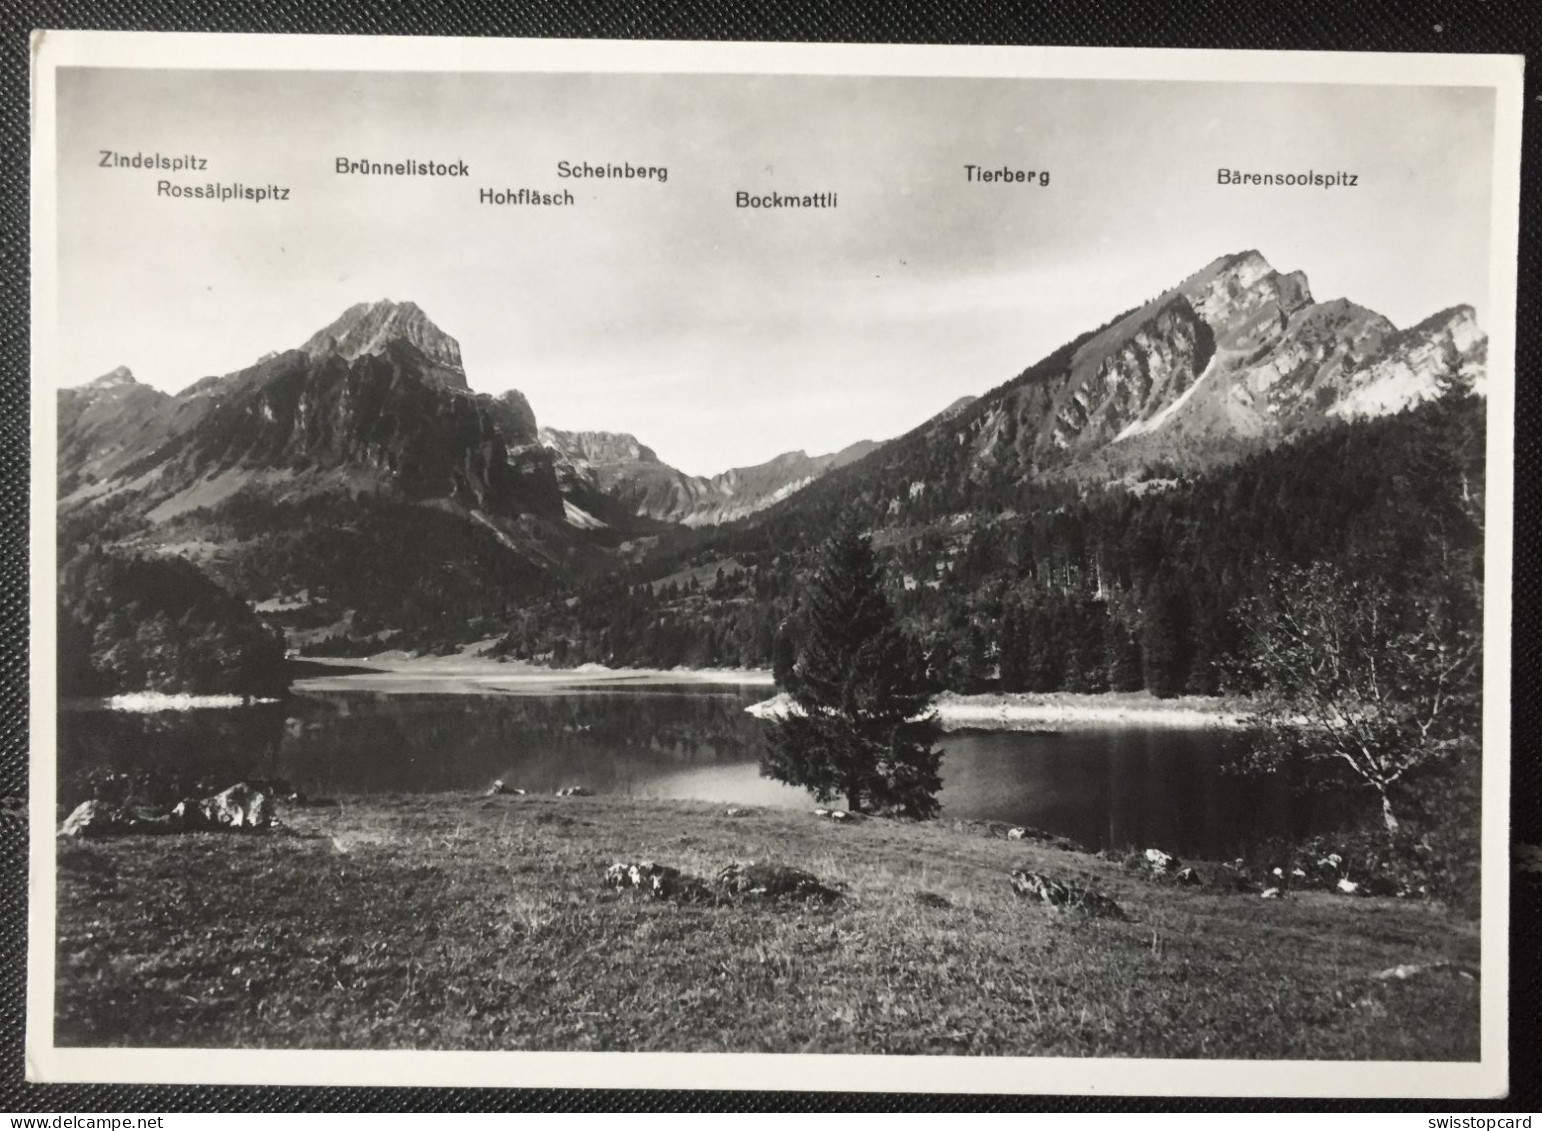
point(514, 417)
point(598, 447)
point(956, 407)
point(1232, 290)
point(370, 327)
point(1459, 323)
point(1250, 260)
point(788, 459)
point(1447, 350)
point(111, 392)
point(120, 378)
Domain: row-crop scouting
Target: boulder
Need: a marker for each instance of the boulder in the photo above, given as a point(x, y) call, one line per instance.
point(574, 791)
point(500, 787)
point(1035, 885)
point(1187, 876)
point(837, 815)
point(1348, 887)
point(734, 811)
point(1039, 836)
point(1061, 894)
point(1161, 863)
point(242, 806)
point(1272, 893)
point(1404, 971)
point(658, 881)
point(773, 881)
point(96, 818)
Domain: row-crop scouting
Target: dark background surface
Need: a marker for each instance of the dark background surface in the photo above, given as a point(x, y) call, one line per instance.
point(1496, 26)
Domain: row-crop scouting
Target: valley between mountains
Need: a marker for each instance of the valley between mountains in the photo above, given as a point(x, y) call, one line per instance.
point(1085, 525)
point(1095, 530)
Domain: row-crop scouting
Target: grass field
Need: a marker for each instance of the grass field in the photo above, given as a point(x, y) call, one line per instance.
point(450, 922)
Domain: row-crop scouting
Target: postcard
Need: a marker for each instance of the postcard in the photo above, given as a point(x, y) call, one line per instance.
point(754, 566)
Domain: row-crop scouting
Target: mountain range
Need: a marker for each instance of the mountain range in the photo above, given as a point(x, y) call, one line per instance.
point(376, 409)
point(617, 465)
point(378, 400)
point(1235, 353)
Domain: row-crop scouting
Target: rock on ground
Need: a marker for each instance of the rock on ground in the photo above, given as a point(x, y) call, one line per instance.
point(659, 881)
point(95, 818)
point(735, 881)
point(773, 881)
point(242, 806)
point(1059, 893)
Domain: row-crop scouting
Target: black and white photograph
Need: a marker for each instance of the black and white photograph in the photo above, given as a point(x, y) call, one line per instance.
point(909, 570)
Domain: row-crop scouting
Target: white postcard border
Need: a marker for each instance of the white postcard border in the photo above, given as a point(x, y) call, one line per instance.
point(45, 1062)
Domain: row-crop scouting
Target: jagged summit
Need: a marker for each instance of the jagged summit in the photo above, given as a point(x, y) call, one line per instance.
point(598, 447)
point(116, 391)
point(119, 378)
point(369, 327)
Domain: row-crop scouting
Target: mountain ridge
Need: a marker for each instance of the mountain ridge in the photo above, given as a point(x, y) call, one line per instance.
point(623, 468)
point(258, 471)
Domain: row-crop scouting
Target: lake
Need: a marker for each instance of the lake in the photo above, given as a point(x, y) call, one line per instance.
point(1113, 787)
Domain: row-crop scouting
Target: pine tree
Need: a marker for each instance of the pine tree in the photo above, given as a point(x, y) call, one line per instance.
point(1086, 667)
point(784, 657)
point(1204, 677)
point(1161, 646)
point(861, 728)
point(1122, 655)
point(1015, 645)
point(1044, 666)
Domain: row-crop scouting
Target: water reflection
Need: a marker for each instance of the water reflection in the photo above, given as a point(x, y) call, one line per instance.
point(1105, 788)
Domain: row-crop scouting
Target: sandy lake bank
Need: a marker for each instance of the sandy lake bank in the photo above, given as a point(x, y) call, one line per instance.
point(1064, 710)
point(472, 674)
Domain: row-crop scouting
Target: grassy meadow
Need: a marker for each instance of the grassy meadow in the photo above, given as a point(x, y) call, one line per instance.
point(452, 922)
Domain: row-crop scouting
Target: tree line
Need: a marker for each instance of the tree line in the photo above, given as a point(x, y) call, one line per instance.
point(1081, 590)
point(128, 623)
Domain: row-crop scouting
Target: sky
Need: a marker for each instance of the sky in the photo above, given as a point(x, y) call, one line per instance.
point(722, 336)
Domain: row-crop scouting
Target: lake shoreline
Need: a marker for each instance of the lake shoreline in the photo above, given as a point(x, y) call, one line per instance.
point(1066, 710)
point(473, 673)
point(1062, 711)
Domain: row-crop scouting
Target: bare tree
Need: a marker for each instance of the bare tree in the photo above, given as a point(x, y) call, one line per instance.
point(1345, 671)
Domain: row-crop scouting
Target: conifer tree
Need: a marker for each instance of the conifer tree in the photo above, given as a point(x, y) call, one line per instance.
point(1015, 645)
point(862, 728)
point(784, 657)
point(1043, 664)
point(1161, 645)
point(1122, 654)
point(1086, 666)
